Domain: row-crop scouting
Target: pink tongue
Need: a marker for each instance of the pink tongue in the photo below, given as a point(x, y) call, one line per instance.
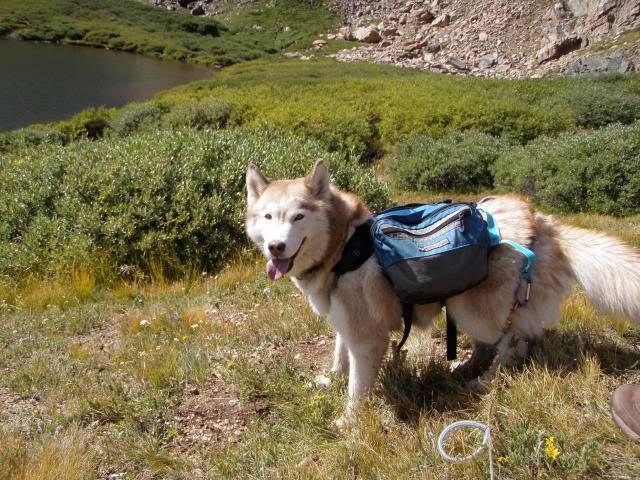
point(277, 267)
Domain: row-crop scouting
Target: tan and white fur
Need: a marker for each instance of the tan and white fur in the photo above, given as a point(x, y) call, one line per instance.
point(313, 220)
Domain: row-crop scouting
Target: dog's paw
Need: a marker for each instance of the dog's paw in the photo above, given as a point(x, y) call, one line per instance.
point(321, 381)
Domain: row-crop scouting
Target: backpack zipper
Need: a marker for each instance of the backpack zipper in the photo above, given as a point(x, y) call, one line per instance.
point(390, 229)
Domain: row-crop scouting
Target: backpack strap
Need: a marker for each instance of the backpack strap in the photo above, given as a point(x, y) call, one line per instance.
point(452, 336)
point(357, 250)
point(495, 239)
point(407, 318)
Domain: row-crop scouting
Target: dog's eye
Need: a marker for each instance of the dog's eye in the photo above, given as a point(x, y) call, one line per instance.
point(268, 216)
point(298, 217)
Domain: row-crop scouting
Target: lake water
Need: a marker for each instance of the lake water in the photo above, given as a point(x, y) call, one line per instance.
point(44, 82)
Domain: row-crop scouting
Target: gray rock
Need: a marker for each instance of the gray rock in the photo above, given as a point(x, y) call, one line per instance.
point(423, 16)
point(488, 61)
point(578, 7)
point(390, 31)
point(346, 33)
point(457, 63)
point(558, 48)
point(442, 21)
point(433, 47)
point(367, 34)
point(317, 44)
point(598, 64)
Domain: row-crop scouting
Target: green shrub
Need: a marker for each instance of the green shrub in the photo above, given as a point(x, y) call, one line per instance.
point(458, 162)
point(594, 171)
point(90, 123)
point(135, 117)
point(33, 135)
point(200, 113)
point(597, 105)
point(172, 197)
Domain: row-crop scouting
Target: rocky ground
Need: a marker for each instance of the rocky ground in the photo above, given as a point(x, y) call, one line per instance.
point(496, 38)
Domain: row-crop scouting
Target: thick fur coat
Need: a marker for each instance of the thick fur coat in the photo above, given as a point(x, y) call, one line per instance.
point(302, 225)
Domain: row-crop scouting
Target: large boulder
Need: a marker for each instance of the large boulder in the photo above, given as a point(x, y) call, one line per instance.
point(617, 63)
point(558, 48)
point(368, 34)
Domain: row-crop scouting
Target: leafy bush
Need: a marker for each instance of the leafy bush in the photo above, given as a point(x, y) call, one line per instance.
point(597, 105)
point(33, 135)
point(172, 197)
point(593, 171)
point(205, 112)
point(135, 117)
point(90, 123)
point(459, 162)
point(366, 110)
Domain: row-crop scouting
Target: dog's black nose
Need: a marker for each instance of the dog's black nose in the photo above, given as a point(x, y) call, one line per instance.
point(276, 247)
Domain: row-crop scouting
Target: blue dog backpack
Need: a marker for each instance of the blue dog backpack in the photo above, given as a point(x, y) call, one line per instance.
point(429, 252)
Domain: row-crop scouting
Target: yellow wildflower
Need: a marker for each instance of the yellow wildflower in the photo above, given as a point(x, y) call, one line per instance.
point(502, 459)
point(550, 448)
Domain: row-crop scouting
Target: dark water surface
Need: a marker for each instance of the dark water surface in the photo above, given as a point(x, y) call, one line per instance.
point(44, 82)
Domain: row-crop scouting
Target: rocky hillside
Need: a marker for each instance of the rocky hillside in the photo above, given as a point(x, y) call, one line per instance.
point(500, 38)
point(495, 38)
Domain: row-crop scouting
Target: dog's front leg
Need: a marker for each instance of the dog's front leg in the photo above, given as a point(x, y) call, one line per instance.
point(365, 358)
point(340, 357)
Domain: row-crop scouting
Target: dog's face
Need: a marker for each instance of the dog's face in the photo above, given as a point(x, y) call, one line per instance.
point(287, 219)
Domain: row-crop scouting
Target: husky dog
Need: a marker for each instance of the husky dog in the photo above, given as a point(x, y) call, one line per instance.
point(302, 225)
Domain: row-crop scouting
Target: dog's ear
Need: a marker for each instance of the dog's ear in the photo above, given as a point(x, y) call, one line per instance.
point(318, 181)
point(256, 184)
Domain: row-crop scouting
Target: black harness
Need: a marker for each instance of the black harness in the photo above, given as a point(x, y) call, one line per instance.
point(357, 251)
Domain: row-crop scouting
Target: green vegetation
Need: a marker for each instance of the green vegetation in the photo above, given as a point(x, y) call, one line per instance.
point(253, 31)
point(459, 162)
point(122, 358)
point(439, 133)
point(370, 108)
point(171, 198)
point(367, 109)
point(213, 377)
point(206, 112)
point(595, 171)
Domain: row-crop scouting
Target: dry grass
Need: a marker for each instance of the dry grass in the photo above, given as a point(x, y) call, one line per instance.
point(94, 378)
point(63, 456)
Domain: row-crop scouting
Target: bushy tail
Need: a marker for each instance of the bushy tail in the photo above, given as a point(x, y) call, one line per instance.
point(607, 269)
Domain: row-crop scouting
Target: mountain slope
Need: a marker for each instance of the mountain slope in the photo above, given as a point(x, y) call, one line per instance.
point(497, 37)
